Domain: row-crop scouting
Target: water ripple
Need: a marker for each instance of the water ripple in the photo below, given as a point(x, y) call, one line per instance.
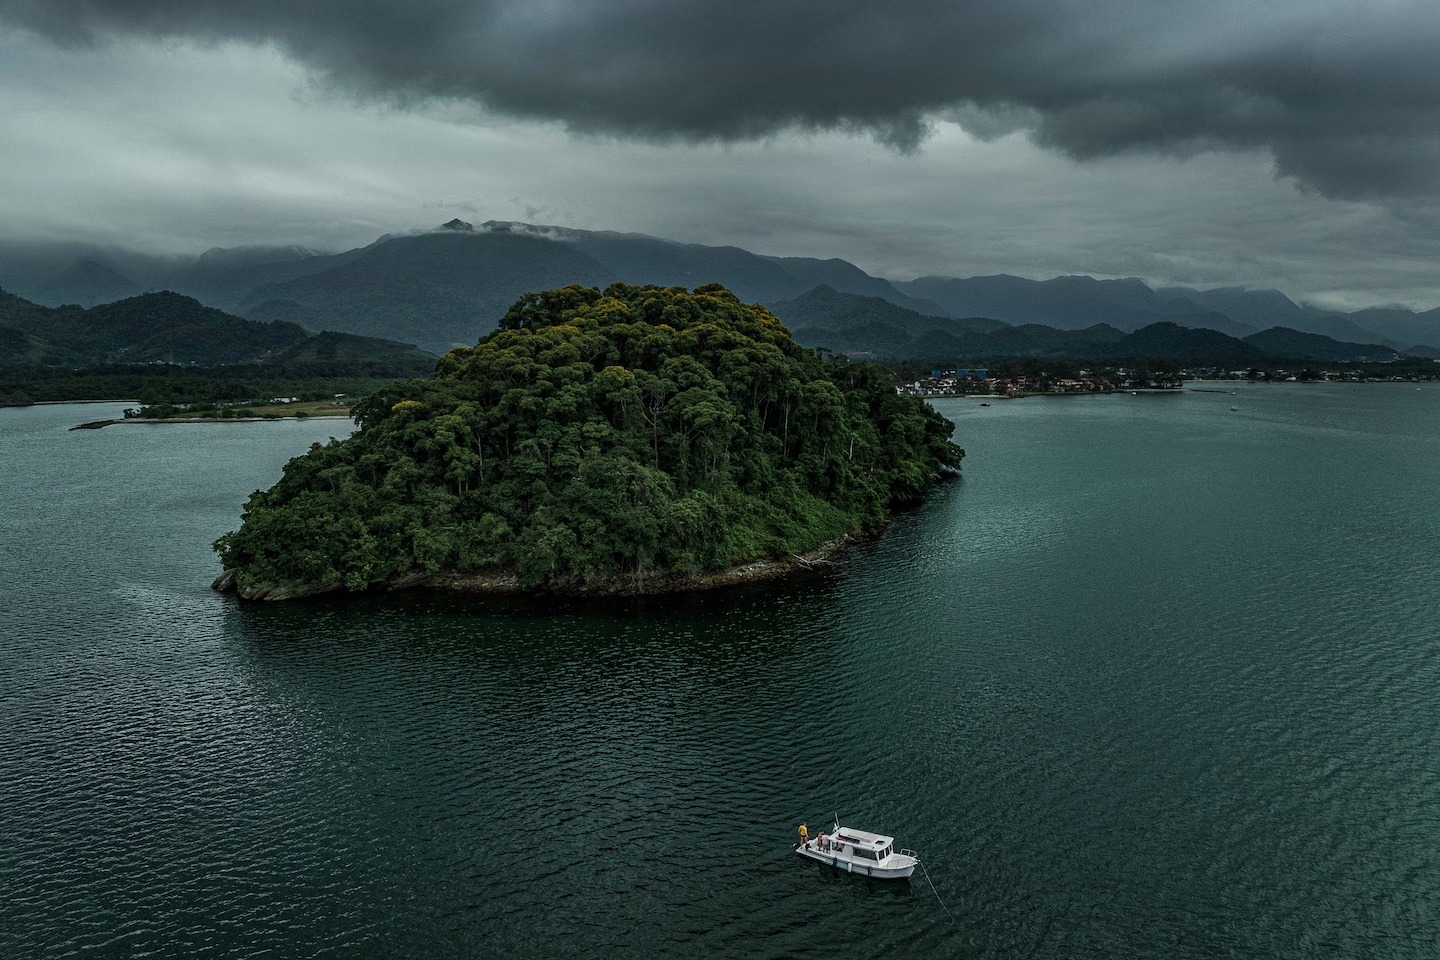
point(1153, 680)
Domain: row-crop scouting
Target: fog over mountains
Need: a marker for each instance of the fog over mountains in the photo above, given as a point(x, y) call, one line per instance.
point(450, 285)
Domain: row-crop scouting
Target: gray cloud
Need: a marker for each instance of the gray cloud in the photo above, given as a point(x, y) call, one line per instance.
point(1343, 95)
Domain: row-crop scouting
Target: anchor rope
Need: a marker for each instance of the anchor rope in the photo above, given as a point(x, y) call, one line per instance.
point(936, 892)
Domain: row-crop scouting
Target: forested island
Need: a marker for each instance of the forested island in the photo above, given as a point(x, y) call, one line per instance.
point(630, 440)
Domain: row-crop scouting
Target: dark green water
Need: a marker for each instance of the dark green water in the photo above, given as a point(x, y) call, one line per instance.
point(1157, 678)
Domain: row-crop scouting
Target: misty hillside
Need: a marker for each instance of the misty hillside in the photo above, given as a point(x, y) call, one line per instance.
point(1067, 303)
point(329, 347)
point(844, 276)
point(1264, 309)
point(1284, 342)
point(438, 289)
point(449, 286)
point(871, 327)
point(632, 258)
point(1259, 309)
point(826, 306)
point(225, 278)
point(170, 328)
point(636, 258)
point(87, 283)
point(1174, 342)
point(1389, 326)
point(1399, 326)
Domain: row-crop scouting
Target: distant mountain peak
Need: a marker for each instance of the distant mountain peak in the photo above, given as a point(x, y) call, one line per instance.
point(458, 226)
point(547, 231)
point(86, 282)
point(168, 297)
point(235, 258)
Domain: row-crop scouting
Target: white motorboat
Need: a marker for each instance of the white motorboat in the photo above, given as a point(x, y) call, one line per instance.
point(857, 851)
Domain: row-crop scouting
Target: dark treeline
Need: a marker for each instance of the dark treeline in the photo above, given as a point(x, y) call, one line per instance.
point(158, 383)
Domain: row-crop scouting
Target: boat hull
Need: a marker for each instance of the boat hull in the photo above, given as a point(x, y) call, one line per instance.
point(900, 871)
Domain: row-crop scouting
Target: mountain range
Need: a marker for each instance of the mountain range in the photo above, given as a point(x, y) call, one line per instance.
point(869, 327)
point(450, 286)
point(168, 328)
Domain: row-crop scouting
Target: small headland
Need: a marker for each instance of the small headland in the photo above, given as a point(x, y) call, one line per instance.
point(256, 413)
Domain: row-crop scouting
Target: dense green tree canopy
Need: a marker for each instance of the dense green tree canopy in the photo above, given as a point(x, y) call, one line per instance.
point(624, 431)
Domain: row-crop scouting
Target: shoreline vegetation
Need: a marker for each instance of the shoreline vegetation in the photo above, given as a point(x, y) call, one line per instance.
point(632, 441)
point(507, 583)
point(235, 385)
point(286, 408)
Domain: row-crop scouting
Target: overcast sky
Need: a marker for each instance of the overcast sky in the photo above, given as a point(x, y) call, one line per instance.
point(1293, 144)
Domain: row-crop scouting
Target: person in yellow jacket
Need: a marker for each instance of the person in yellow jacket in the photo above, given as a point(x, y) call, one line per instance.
point(804, 835)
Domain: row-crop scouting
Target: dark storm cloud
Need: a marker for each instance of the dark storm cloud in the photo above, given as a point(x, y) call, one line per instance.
point(1343, 94)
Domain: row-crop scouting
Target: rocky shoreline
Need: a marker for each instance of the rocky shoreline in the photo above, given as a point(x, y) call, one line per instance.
point(502, 583)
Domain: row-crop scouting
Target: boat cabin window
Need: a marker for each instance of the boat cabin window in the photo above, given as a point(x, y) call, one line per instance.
point(867, 854)
point(884, 853)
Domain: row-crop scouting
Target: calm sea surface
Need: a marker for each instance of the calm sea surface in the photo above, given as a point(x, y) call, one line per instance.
point(1157, 678)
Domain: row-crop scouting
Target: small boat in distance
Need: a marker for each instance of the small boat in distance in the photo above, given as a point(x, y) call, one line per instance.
point(857, 851)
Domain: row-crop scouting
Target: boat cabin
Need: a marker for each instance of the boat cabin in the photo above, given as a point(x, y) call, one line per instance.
point(858, 844)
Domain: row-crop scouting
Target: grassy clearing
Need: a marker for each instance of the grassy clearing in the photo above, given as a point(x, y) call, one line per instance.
point(314, 408)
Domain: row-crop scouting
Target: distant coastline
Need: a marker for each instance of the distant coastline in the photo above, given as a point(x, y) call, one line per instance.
point(987, 397)
point(61, 403)
point(100, 424)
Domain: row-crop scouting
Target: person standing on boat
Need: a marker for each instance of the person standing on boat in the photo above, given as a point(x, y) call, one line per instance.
point(804, 835)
